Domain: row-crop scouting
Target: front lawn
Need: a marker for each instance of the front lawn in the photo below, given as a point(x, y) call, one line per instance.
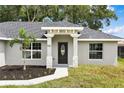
point(88, 76)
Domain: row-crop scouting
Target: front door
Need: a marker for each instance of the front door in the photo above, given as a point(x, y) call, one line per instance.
point(62, 53)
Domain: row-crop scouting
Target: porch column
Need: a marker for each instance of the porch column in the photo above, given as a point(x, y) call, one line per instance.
point(75, 49)
point(49, 50)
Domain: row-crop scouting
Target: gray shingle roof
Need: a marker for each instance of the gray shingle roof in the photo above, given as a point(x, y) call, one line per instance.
point(59, 24)
point(88, 33)
point(10, 29)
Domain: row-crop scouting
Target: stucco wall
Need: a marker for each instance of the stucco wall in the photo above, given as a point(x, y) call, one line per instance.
point(109, 53)
point(2, 53)
point(61, 38)
point(14, 55)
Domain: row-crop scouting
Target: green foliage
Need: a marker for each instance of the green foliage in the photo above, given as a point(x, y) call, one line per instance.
point(12, 42)
point(95, 17)
point(24, 39)
point(22, 33)
point(9, 13)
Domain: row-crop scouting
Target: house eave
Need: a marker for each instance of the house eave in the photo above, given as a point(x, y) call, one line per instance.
point(7, 39)
point(101, 40)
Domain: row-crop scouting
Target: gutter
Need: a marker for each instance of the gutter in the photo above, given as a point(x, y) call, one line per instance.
point(101, 40)
point(7, 39)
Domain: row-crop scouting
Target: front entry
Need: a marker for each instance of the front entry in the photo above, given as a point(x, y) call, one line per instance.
point(62, 53)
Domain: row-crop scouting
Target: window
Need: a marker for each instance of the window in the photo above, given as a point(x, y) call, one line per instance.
point(33, 52)
point(27, 54)
point(95, 50)
point(36, 46)
point(121, 51)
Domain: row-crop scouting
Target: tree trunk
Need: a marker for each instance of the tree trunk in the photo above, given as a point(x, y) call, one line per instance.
point(27, 13)
point(24, 66)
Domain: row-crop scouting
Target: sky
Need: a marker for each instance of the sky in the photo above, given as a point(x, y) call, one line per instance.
point(116, 27)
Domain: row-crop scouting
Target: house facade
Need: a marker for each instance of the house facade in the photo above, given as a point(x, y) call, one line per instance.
point(59, 44)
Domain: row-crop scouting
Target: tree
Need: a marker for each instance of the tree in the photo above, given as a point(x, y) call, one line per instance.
point(37, 13)
point(9, 13)
point(55, 12)
point(24, 40)
point(31, 13)
point(95, 16)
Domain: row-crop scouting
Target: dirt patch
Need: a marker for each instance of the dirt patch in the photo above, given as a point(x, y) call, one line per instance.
point(17, 72)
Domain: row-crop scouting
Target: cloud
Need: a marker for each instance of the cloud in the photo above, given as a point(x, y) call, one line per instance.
point(110, 7)
point(115, 30)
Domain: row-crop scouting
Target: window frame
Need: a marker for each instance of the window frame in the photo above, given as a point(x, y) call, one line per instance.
point(102, 51)
point(32, 50)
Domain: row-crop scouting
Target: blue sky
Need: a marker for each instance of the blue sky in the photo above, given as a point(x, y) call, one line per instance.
point(117, 27)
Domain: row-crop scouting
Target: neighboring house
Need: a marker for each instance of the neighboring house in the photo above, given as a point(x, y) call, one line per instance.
point(121, 49)
point(58, 44)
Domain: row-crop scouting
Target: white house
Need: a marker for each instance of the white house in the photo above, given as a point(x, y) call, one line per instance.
point(59, 44)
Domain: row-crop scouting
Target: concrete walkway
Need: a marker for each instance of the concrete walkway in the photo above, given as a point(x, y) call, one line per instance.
point(59, 73)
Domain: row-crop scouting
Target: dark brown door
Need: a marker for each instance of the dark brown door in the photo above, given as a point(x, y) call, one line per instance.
point(62, 53)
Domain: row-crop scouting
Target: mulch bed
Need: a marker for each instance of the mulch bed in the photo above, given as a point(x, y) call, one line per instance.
point(17, 72)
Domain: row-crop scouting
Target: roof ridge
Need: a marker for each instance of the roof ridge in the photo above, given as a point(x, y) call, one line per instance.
point(36, 22)
point(20, 22)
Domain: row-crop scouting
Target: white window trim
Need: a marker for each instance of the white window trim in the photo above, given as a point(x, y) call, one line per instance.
point(31, 50)
point(96, 51)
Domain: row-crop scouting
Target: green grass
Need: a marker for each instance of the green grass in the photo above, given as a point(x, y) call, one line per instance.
point(87, 76)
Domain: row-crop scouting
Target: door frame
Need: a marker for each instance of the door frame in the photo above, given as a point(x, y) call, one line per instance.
point(58, 54)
